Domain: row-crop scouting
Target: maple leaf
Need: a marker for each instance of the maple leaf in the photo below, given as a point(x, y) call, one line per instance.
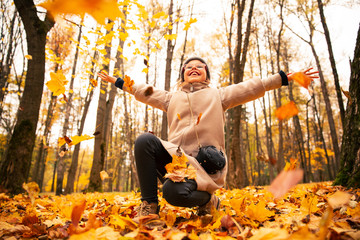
point(178, 169)
point(301, 78)
point(128, 83)
point(286, 111)
point(259, 212)
point(100, 10)
point(57, 83)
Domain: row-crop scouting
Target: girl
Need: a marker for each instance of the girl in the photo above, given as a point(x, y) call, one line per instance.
point(194, 100)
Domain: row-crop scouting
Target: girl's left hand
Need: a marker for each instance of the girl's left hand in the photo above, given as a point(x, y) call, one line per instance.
point(305, 74)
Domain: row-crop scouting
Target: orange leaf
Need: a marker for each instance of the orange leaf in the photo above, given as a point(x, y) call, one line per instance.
point(258, 212)
point(301, 78)
point(98, 9)
point(198, 119)
point(178, 169)
point(128, 83)
point(77, 211)
point(286, 111)
point(178, 115)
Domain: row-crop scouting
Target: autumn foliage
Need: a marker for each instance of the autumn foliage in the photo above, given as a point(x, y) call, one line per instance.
point(308, 211)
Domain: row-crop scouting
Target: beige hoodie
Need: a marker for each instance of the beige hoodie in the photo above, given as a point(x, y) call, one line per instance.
point(198, 101)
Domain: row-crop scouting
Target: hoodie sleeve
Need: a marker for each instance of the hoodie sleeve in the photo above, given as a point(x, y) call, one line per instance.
point(147, 94)
point(237, 94)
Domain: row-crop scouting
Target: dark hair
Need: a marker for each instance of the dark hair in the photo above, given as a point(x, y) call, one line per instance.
point(191, 59)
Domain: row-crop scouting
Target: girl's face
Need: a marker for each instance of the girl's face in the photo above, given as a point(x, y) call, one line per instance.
point(195, 71)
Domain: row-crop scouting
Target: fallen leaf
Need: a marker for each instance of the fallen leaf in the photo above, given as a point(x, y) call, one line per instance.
point(339, 199)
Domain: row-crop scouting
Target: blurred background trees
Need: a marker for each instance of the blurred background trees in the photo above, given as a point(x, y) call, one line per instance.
point(149, 42)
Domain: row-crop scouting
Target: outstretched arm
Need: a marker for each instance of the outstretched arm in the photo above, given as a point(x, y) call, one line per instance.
point(307, 74)
point(104, 76)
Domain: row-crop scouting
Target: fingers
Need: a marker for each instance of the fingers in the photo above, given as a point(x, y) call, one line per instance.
point(311, 74)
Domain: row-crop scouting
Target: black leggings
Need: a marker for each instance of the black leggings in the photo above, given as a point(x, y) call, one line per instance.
point(151, 158)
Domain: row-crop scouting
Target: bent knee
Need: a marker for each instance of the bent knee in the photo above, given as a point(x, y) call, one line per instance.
point(178, 193)
point(144, 139)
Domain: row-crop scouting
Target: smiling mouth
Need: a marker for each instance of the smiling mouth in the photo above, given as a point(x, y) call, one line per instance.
point(194, 74)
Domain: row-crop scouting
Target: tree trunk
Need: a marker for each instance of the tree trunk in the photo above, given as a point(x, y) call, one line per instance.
point(169, 57)
point(332, 61)
point(16, 165)
point(95, 183)
point(75, 156)
point(349, 174)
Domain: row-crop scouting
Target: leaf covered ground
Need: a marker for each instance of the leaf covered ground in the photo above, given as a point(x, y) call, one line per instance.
point(308, 211)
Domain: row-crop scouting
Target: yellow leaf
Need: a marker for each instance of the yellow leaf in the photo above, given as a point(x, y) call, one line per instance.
point(29, 57)
point(121, 223)
point(178, 169)
point(259, 212)
point(77, 139)
point(188, 24)
point(104, 175)
point(160, 14)
point(145, 70)
point(57, 83)
point(286, 111)
point(170, 36)
point(32, 189)
point(270, 234)
point(309, 205)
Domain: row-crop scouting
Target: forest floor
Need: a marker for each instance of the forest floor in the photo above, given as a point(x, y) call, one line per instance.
point(307, 211)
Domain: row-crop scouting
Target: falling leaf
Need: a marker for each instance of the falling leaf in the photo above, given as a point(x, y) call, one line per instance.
point(77, 211)
point(198, 119)
point(100, 10)
point(104, 175)
point(347, 94)
point(292, 165)
point(29, 57)
point(188, 24)
point(57, 83)
point(160, 14)
point(146, 62)
point(301, 78)
point(77, 139)
point(128, 83)
point(93, 82)
point(286, 111)
point(284, 181)
point(178, 116)
point(32, 188)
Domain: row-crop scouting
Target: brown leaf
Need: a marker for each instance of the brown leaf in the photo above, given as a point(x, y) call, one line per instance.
point(77, 211)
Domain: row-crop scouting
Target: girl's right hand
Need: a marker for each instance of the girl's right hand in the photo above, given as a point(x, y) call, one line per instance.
point(104, 76)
